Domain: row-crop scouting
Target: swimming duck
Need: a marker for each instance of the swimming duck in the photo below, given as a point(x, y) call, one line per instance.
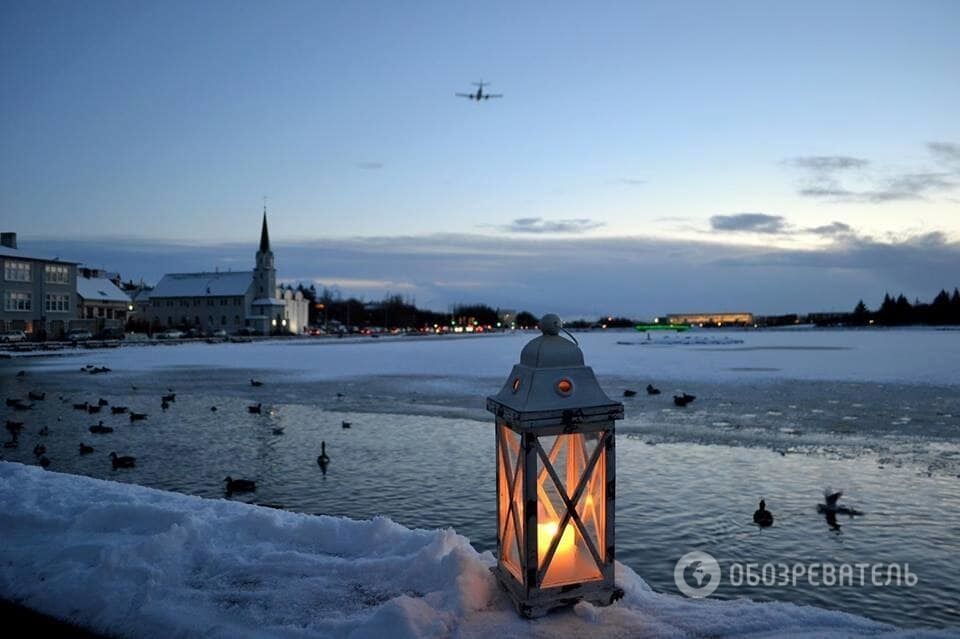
point(43, 432)
point(684, 399)
point(94, 408)
point(761, 516)
point(36, 396)
point(240, 485)
point(254, 382)
point(629, 393)
point(100, 429)
point(44, 461)
point(84, 449)
point(345, 424)
point(118, 410)
point(255, 409)
point(652, 390)
point(39, 449)
point(172, 397)
point(136, 417)
point(82, 406)
point(126, 461)
point(102, 402)
point(323, 459)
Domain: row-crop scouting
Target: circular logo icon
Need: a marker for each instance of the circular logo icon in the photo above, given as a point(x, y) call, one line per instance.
point(697, 574)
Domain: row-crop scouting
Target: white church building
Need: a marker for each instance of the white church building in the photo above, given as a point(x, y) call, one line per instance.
point(230, 300)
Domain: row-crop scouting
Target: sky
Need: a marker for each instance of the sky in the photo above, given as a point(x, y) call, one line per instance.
point(646, 157)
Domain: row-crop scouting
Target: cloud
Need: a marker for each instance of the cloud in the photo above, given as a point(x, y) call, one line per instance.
point(828, 177)
point(828, 163)
point(574, 276)
point(834, 228)
point(946, 153)
point(540, 225)
point(749, 222)
point(370, 166)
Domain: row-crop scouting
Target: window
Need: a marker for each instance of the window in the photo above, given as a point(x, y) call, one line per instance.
point(56, 303)
point(13, 301)
point(57, 274)
point(14, 271)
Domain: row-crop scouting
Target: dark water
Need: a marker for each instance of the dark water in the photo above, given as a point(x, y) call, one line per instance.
point(687, 480)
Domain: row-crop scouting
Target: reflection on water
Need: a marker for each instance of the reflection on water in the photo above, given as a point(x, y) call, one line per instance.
point(429, 472)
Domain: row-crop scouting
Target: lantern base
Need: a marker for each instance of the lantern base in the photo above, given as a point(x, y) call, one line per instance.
point(541, 601)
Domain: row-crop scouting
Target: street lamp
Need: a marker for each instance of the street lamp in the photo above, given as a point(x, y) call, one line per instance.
point(556, 474)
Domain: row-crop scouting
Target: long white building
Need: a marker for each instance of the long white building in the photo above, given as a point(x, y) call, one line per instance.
point(231, 300)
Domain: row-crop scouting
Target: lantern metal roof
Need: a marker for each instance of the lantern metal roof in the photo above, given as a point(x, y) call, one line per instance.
point(551, 386)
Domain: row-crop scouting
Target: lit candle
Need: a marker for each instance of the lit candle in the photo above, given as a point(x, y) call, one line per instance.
point(566, 549)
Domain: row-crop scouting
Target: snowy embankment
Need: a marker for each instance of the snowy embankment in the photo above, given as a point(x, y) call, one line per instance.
point(126, 560)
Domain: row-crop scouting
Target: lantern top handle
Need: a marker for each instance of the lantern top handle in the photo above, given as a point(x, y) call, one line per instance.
point(551, 324)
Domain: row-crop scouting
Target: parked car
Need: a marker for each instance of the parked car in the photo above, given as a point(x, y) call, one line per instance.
point(170, 334)
point(246, 330)
point(13, 336)
point(79, 335)
point(218, 333)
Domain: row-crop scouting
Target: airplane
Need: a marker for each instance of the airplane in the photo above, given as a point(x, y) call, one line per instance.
point(479, 95)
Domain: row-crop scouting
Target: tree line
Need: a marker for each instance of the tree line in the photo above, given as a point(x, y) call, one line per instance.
point(898, 311)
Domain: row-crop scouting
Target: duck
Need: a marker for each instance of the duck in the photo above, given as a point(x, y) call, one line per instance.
point(831, 507)
point(43, 432)
point(172, 397)
point(84, 449)
point(278, 430)
point(44, 461)
point(125, 461)
point(164, 405)
point(39, 397)
point(629, 393)
point(21, 373)
point(323, 459)
point(39, 449)
point(255, 409)
point(94, 408)
point(652, 390)
point(14, 427)
point(213, 409)
point(102, 402)
point(82, 406)
point(345, 424)
point(22, 405)
point(684, 399)
point(761, 516)
point(240, 485)
point(100, 429)
point(118, 410)
point(136, 417)
point(254, 382)
point(13, 401)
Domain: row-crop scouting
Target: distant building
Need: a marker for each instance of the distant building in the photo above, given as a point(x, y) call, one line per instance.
point(39, 294)
point(100, 302)
point(711, 319)
point(230, 300)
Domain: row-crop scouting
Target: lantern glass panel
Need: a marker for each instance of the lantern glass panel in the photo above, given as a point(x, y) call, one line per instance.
point(578, 462)
point(509, 507)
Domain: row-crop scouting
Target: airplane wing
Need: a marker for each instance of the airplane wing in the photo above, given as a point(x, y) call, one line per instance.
point(464, 95)
point(493, 95)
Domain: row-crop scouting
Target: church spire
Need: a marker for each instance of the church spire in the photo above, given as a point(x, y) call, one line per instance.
point(264, 236)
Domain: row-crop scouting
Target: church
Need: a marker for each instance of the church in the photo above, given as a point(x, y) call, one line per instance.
point(229, 300)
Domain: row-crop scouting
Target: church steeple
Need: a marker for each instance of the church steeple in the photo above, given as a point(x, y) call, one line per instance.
point(264, 235)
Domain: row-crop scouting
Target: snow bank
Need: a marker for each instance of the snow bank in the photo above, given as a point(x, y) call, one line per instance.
point(126, 560)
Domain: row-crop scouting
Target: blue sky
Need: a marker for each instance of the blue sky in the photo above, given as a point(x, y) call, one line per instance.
point(737, 126)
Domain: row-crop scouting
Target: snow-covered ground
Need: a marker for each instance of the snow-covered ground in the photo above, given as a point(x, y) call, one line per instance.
point(126, 560)
point(906, 356)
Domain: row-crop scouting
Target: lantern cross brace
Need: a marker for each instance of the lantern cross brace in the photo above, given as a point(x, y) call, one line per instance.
point(512, 479)
point(571, 505)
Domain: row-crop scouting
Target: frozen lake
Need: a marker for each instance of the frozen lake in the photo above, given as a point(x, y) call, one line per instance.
point(778, 414)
